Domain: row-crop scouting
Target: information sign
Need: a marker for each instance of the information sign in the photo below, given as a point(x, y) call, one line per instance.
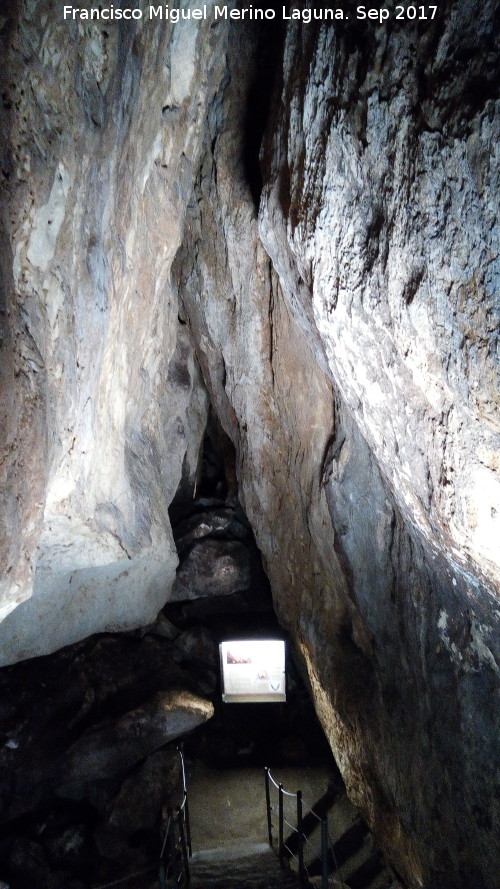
point(253, 671)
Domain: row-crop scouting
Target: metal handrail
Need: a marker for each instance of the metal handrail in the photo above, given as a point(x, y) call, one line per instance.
point(285, 792)
point(326, 844)
point(174, 867)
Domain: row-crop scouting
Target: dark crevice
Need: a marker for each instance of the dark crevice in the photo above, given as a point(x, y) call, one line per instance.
point(269, 37)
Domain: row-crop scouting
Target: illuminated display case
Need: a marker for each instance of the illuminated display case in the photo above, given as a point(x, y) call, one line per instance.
point(253, 671)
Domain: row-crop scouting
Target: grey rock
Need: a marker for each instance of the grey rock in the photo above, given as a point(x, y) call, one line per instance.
point(345, 319)
point(164, 628)
point(95, 349)
point(366, 445)
point(49, 703)
point(218, 523)
point(212, 568)
point(143, 793)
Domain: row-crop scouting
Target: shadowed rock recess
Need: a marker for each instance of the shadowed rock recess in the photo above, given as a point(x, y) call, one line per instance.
point(285, 234)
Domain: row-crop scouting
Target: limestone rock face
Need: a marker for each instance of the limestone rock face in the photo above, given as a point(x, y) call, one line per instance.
point(366, 451)
point(380, 214)
point(388, 244)
point(103, 408)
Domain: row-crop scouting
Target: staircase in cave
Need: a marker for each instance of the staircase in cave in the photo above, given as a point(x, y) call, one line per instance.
point(354, 861)
point(257, 867)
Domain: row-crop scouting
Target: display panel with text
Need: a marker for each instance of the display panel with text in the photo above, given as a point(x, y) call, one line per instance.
point(253, 671)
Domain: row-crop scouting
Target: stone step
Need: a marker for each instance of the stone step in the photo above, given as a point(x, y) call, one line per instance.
point(240, 867)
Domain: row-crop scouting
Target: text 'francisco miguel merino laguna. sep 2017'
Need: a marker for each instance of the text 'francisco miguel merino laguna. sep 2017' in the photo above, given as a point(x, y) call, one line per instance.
point(373, 14)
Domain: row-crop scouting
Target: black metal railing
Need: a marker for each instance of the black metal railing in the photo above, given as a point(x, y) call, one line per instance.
point(292, 814)
point(176, 847)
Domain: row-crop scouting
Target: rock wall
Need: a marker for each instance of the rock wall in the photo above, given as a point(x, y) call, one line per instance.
point(87, 767)
point(379, 213)
point(367, 454)
point(104, 405)
point(343, 304)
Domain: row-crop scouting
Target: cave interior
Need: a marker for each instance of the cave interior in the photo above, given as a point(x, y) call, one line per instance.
point(249, 306)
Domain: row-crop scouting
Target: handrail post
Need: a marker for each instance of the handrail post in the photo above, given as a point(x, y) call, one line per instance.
point(324, 853)
point(268, 807)
point(162, 877)
point(185, 804)
point(185, 860)
point(280, 829)
point(172, 849)
point(300, 836)
point(188, 825)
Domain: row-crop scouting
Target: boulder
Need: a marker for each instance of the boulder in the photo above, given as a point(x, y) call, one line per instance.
point(113, 747)
point(213, 568)
point(218, 523)
point(138, 806)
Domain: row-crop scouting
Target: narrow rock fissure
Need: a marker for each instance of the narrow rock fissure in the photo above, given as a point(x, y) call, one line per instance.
point(268, 38)
point(290, 224)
